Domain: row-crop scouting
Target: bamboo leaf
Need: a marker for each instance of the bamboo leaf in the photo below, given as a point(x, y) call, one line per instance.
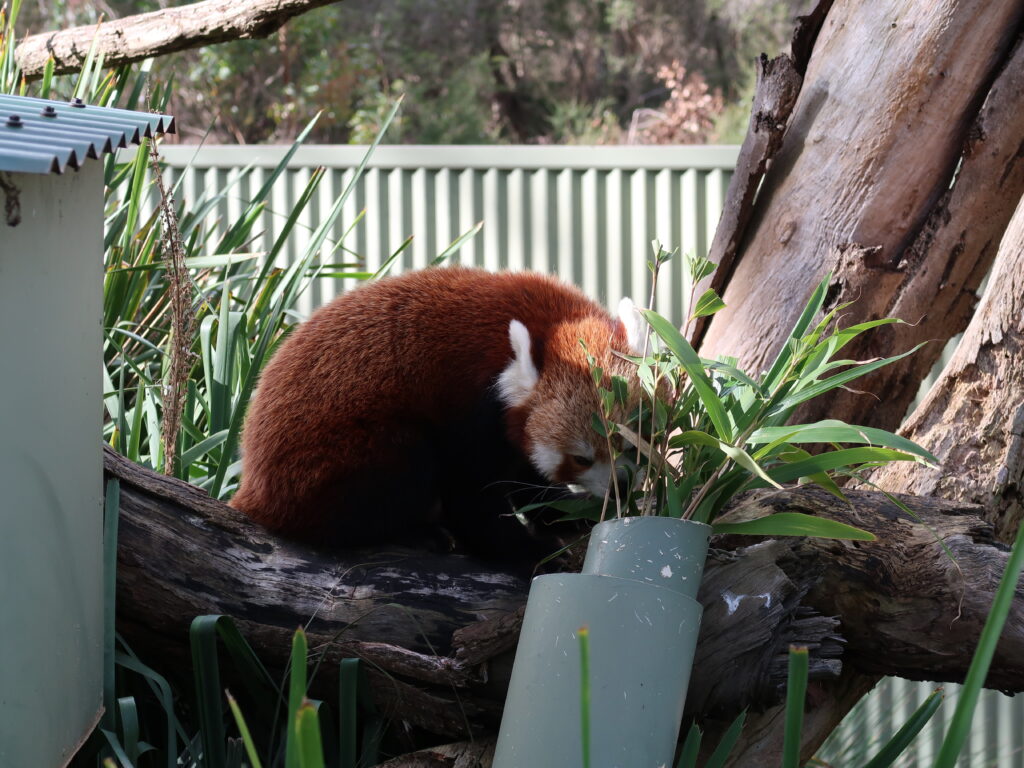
point(783, 359)
point(794, 524)
point(690, 361)
point(827, 385)
point(826, 462)
point(296, 697)
point(834, 431)
point(709, 303)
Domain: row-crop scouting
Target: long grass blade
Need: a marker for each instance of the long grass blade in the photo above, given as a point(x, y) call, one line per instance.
point(296, 696)
point(796, 692)
point(349, 671)
point(307, 735)
point(728, 742)
point(691, 748)
point(206, 672)
point(243, 729)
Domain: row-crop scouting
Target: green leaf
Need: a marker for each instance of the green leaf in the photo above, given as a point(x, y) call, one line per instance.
point(709, 303)
point(796, 692)
point(827, 385)
point(785, 356)
point(691, 748)
point(738, 455)
point(349, 673)
point(795, 524)
point(243, 729)
point(162, 692)
point(690, 361)
point(309, 746)
point(826, 462)
point(296, 695)
point(700, 267)
point(456, 244)
point(620, 390)
point(835, 431)
point(729, 739)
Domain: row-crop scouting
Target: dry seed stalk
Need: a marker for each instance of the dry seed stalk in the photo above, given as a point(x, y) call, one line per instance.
point(182, 318)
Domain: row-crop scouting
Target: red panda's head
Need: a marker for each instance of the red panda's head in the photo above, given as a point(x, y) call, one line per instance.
point(551, 410)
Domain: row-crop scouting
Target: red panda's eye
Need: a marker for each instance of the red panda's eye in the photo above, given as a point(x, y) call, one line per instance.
point(583, 461)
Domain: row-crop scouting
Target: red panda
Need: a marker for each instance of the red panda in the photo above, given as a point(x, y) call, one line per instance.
point(439, 397)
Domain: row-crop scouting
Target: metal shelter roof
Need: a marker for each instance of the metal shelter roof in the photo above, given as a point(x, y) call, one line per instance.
point(43, 136)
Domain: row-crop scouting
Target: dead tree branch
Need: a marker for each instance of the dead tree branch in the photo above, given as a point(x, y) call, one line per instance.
point(145, 35)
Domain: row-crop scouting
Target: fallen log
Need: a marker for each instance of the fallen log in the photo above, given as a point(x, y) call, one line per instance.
point(438, 630)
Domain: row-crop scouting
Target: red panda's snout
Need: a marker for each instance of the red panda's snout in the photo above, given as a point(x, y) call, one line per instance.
point(558, 403)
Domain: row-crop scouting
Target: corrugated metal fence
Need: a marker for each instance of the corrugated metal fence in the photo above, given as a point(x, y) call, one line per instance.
point(588, 214)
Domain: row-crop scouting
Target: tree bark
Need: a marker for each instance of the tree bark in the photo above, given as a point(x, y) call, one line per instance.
point(973, 417)
point(889, 94)
point(775, 94)
point(940, 273)
point(438, 631)
point(134, 38)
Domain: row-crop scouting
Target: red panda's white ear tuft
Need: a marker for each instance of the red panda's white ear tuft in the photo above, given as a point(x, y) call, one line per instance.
point(634, 324)
point(519, 378)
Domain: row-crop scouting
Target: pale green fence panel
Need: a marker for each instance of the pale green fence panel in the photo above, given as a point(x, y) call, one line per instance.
point(587, 214)
point(996, 741)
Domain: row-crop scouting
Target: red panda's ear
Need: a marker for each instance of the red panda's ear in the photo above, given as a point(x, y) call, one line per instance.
point(634, 325)
point(519, 378)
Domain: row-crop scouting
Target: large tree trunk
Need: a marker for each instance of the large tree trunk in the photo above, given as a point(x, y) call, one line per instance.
point(862, 191)
point(890, 92)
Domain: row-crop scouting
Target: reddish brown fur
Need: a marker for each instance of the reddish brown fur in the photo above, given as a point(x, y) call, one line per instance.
point(360, 401)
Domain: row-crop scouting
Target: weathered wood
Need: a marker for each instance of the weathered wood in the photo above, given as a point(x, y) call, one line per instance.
point(973, 417)
point(889, 94)
point(145, 35)
point(778, 84)
point(416, 617)
point(933, 283)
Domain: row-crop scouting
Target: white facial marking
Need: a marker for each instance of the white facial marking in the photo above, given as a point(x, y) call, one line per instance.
point(634, 324)
point(546, 459)
point(595, 479)
point(519, 378)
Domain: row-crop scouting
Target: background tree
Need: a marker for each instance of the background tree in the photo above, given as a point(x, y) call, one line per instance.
point(472, 71)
